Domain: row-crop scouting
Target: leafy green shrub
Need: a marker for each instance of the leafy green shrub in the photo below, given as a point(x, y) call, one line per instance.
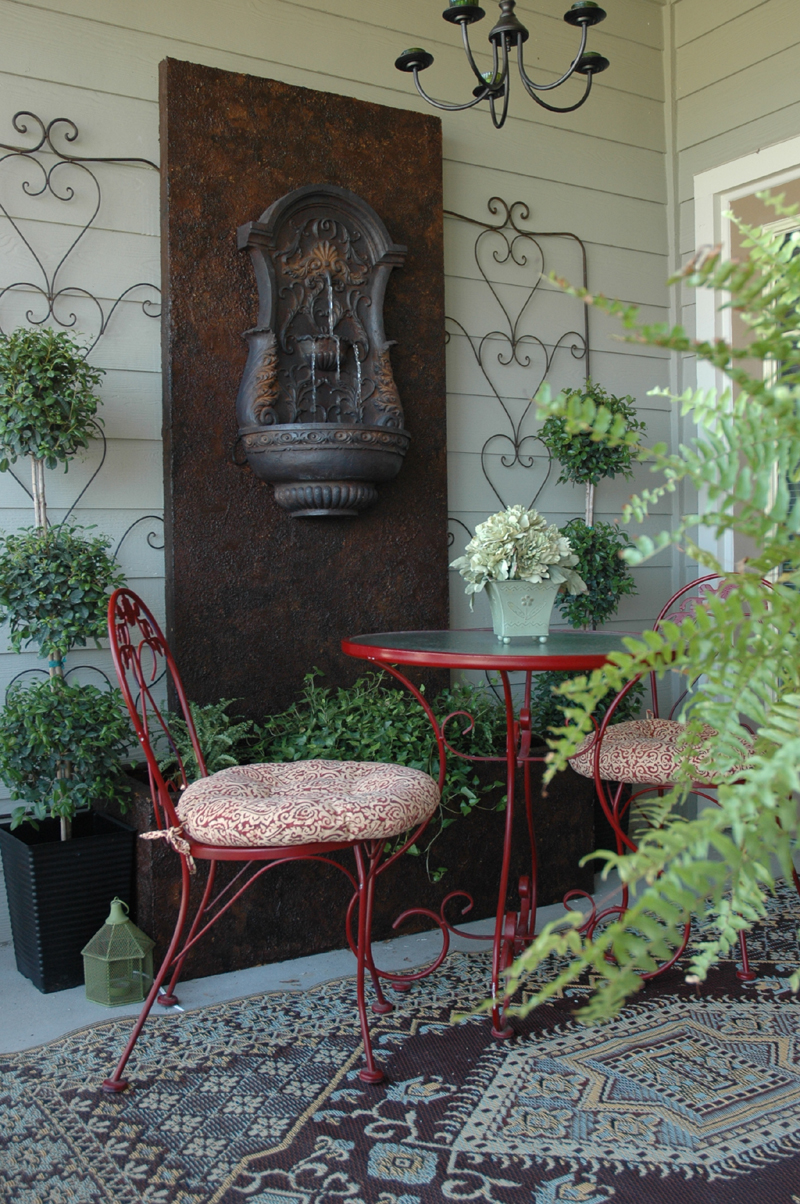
point(54, 585)
point(224, 739)
point(548, 708)
point(608, 578)
point(584, 459)
point(51, 724)
point(373, 721)
point(48, 405)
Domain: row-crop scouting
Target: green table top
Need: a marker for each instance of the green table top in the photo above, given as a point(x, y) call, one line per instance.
point(480, 648)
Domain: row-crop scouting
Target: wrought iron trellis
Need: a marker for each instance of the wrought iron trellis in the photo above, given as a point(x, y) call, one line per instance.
point(511, 343)
point(52, 300)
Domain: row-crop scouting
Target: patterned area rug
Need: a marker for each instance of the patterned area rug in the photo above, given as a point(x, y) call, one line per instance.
point(687, 1098)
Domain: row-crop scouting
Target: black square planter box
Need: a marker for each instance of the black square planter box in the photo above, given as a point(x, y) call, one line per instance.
point(59, 892)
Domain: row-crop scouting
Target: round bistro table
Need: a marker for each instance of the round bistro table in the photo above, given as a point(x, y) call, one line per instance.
point(481, 649)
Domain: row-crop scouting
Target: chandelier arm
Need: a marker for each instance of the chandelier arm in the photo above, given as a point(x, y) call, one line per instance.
point(498, 124)
point(470, 57)
point(568, 108)
point(440, 104)
point(532, 87)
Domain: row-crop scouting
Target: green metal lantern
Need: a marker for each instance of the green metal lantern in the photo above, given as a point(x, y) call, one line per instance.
point(118, 961)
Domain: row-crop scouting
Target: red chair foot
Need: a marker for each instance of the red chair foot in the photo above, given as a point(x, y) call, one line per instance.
point(383, 1008)
point(746, 975)
point(371, 1076)
point(168, 1001)
point(114, 1086)
point(502, 1034)
point(401, 986)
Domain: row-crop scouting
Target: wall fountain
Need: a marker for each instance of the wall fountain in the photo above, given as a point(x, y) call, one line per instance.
point(318, 410)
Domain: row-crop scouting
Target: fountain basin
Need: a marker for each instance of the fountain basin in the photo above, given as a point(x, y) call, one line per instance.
point(324, 469)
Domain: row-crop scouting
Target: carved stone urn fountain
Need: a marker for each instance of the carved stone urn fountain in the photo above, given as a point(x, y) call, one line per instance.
point(318, 410)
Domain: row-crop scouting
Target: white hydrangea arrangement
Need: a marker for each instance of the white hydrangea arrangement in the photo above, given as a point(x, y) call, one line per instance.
point(518, 545)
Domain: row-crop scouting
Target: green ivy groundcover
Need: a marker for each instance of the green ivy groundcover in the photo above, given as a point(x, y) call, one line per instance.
point(691, 1096)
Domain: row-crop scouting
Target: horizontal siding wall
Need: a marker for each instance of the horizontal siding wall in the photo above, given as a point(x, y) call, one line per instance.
point(737, 90)
point(734, 70)
point(599, 172)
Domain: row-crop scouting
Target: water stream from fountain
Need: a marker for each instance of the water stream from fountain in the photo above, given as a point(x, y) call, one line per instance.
point(335, 337)
point(314, 376)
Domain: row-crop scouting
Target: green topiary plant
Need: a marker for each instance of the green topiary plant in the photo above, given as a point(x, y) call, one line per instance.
point(54, 581)
point(48, 402)
point(51, 724)
point(588, 461)
point(54, 586)
point(608, 578)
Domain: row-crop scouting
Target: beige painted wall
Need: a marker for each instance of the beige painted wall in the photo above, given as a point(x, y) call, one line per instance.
point(599, 172)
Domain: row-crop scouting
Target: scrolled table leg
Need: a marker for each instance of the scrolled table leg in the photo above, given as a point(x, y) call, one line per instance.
point(504, 956)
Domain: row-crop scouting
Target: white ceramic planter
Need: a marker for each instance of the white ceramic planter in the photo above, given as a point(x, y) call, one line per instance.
point(520, 608)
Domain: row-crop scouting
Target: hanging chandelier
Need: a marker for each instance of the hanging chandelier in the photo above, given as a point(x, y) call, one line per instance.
point(495, 85)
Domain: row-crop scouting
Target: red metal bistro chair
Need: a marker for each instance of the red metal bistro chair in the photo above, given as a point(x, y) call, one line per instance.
point(264, 816)
point(643, 754)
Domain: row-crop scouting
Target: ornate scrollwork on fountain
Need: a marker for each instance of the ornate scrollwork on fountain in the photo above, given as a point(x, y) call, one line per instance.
point(318, 409)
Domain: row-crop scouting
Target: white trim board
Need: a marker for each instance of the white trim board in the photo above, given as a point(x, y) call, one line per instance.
point(714, 192)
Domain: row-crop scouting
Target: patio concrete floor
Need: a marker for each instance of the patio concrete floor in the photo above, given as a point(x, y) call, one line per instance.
point(30, 1018)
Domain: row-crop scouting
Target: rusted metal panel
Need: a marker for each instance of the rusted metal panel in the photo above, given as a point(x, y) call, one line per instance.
point(254, 598)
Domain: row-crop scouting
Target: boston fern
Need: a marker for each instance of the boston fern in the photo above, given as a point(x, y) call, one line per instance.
point(51, 724)
point(741, 658)
point(548, 704)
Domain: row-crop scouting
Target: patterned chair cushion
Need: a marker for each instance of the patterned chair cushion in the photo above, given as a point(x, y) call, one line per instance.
point(641, 750)
point(305, 802)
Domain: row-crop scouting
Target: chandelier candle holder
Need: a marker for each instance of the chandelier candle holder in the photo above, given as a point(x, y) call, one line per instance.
point(506, 35)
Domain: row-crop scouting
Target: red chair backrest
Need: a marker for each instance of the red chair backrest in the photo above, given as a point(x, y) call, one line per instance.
point(143, 661)
point(684, 604)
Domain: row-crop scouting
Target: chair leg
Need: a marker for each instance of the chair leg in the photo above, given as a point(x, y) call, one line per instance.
point(745, 974)
point(371, 1073)
point(116, 1083)
point(169, 998)
point(381, 1005)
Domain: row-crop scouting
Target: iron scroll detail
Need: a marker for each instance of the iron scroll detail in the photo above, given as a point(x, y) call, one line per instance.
point(47, 183)
point(518, 337)
point(319, 412)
